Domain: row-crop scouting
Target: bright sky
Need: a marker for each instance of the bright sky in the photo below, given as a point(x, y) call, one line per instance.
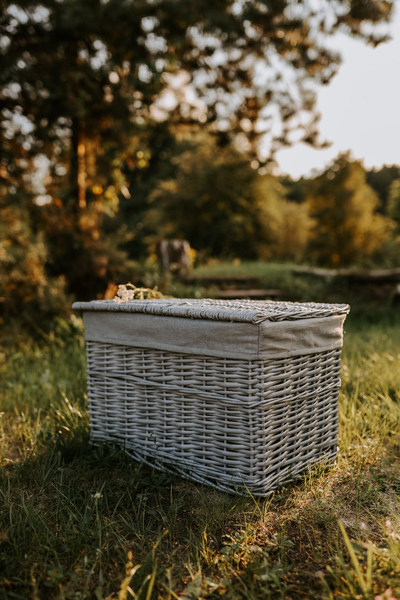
point(360, 108)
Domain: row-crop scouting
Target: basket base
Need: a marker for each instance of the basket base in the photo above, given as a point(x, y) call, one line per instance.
point(236, 484)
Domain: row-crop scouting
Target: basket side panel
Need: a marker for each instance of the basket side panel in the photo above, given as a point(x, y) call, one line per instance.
point(222, 421)
point(300, 425)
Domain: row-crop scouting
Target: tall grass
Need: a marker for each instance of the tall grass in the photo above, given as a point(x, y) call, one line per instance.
point(87, 522)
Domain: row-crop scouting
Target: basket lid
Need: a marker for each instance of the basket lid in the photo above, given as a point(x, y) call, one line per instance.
point(241, 311)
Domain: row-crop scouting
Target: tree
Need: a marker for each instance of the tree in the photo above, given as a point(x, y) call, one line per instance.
point(347, 227)
point(74, 71)
point(381, 180)
point(211, 201)
point(393, 203)
point(27, 293)
point(224, 207)
point(81, 81)
point(285, 224)
point(159, 149)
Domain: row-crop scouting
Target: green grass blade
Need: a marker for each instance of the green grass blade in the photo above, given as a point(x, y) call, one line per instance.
point(354, 558)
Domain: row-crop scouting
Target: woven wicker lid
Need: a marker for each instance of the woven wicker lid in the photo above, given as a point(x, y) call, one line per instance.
point(241, 311)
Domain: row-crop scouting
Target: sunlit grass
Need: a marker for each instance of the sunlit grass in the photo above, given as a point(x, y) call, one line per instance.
point(84, 522)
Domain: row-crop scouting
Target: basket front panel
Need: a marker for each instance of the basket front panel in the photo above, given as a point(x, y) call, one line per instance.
point(222, 421)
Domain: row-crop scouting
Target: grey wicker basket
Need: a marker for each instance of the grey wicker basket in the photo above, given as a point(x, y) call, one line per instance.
point(241, 395)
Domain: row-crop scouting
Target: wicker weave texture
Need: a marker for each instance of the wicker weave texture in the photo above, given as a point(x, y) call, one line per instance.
point(245, 311)
point(225, 422)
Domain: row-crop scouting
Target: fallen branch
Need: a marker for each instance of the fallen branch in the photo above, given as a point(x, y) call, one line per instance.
point(373, 276)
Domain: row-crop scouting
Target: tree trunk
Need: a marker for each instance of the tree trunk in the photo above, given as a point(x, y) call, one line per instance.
point(78, 165)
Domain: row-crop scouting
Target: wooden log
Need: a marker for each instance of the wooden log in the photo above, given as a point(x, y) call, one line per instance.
point(372, 276)
point(375, 276)
point(317, 272)
point(224, 281)
point(248, 294)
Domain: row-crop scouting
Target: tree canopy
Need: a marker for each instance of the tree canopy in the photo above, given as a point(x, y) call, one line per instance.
point(381, 181)
point(204, 203)
point(344, 208)
point(91, 69)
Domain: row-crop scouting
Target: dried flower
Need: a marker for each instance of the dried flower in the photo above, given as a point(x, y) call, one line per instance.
point(129, 292)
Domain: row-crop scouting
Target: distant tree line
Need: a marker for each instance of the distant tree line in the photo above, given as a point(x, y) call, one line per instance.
point(124, 122)
point(227, 209)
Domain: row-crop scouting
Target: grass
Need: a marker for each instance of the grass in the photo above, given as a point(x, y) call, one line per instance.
point(83, 522)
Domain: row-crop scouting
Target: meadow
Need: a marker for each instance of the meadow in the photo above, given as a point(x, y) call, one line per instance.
point(78, 521)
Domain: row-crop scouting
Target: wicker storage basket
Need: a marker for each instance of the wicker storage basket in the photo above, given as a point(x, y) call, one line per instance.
point(235, 394)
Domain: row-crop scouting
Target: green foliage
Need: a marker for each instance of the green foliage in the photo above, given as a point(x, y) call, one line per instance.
point(160, 148)
point(347, 228)
point(27, 293)
point(81, 248)
point(26, 290)
point(393, 204)
point(73, 66)
point(381, 180)
point(217, 212)
point(295, 191)
point(225, 208)
point(285, 224)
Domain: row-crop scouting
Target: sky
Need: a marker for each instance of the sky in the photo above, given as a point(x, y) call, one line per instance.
point(360, 108)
